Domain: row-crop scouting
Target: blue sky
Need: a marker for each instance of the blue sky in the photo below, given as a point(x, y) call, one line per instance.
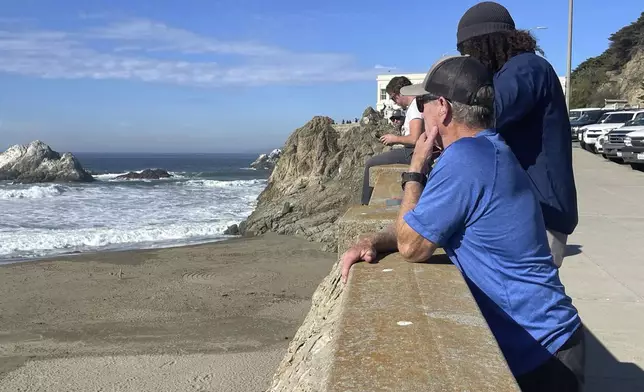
point(223, 76)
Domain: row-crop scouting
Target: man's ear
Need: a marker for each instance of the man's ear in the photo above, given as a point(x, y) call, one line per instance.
point(444, 109)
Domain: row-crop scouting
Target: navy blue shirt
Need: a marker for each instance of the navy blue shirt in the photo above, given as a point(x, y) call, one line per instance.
point(532, 117)
point(479, 205)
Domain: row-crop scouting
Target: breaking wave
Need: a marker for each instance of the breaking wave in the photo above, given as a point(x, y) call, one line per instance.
point(33, 192)
point(46, 220)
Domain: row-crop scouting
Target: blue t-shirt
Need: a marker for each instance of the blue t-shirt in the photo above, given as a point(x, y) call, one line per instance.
point(479, 206)
point(532, 117)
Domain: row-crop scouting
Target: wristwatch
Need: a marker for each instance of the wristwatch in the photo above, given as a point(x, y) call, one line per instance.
point(413, 176)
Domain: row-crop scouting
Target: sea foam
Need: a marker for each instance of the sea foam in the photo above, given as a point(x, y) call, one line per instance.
point(46, 220)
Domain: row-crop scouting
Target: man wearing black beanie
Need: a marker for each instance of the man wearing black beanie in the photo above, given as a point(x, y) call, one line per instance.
point(532, 117)
point(531, 112)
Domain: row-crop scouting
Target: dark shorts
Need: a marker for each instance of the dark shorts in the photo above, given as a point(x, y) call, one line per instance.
point(562, 372)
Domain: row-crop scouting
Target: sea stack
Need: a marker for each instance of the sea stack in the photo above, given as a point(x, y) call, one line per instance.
point(147, 174)
point(267, 161)
point(37, 162)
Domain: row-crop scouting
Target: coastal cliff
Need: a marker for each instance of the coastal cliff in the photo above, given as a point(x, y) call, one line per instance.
point(37, 162)
point(616, 73)
point(318, 174)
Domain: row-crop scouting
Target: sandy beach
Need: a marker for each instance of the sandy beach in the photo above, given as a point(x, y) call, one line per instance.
point(215, 317)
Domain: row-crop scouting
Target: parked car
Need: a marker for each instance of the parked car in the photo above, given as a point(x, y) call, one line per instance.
point(614, 140)
point(574, 114)
point(606, 124)
point(590, 116)
point(633, 151)
point(582, 130)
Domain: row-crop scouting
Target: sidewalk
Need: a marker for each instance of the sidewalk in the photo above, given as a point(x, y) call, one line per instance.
point(604, 271)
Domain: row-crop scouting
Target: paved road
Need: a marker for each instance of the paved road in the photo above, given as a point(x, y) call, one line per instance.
point(604, 271)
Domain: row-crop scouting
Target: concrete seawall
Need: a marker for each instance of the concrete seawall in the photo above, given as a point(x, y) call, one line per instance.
point(395, 326)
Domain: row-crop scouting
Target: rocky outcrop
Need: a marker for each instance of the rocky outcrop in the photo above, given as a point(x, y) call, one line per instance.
point(630, 81)
point(317, 176)
point(236, 229)
point(37, 162)
point(267, 161)
point(147, 174)
point(232, 230)
point(370, 115)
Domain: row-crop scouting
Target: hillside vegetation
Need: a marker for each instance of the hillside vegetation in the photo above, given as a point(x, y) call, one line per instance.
point(616, 73)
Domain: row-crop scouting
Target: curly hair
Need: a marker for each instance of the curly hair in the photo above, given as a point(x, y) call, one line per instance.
point(396, 83)
point(495, 49)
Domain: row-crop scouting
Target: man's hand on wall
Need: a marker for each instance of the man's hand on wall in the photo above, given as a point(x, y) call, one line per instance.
point(362, 251)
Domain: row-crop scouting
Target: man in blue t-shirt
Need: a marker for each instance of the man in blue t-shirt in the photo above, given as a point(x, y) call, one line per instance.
point(531, 112)
point(478, 205)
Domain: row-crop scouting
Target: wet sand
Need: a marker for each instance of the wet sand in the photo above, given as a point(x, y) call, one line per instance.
point(215, 317)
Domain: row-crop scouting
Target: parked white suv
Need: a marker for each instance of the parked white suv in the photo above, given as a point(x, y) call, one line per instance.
point(633, 150)
point(615, 139)
point(608, 122)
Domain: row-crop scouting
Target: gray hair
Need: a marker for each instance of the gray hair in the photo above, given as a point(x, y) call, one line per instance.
point(478, 116)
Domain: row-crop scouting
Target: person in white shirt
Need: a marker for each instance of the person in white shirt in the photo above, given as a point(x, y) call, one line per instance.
point(402, 145)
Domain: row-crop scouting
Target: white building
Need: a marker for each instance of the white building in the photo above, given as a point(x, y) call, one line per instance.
point(383, 100)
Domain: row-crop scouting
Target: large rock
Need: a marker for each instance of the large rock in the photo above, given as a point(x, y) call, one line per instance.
point(147, 174)
point(232, 230)
point(267, 161)
point(37, 162)
point(318, 174)
point(370, 115)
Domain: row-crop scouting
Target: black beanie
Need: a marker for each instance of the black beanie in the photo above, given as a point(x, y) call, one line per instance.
point(484, 18)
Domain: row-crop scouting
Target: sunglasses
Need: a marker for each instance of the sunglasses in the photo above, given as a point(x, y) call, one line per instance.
point(423, 99)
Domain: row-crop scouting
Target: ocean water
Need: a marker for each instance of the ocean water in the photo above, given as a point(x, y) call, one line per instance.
point(207, 193)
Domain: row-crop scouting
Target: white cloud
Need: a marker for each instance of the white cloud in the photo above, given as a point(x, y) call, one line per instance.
point(131, 49)
point(160, 37)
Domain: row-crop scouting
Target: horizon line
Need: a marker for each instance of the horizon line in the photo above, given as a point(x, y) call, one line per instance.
point(171, 152)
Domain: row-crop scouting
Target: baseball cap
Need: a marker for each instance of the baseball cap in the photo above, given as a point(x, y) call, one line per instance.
point(397, 114)
point(456, 78)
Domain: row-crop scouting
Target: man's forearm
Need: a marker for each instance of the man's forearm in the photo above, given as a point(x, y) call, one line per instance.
point(409, 140)
point(384, 241)
point(411, 245)
point(412, 193)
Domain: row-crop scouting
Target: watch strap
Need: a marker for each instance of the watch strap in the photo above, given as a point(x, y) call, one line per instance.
point(413, 176)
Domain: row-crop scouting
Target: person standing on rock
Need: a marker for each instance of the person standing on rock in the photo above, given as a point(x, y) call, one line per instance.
point(531, 112)
point(403, 145)
point(479, 206)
